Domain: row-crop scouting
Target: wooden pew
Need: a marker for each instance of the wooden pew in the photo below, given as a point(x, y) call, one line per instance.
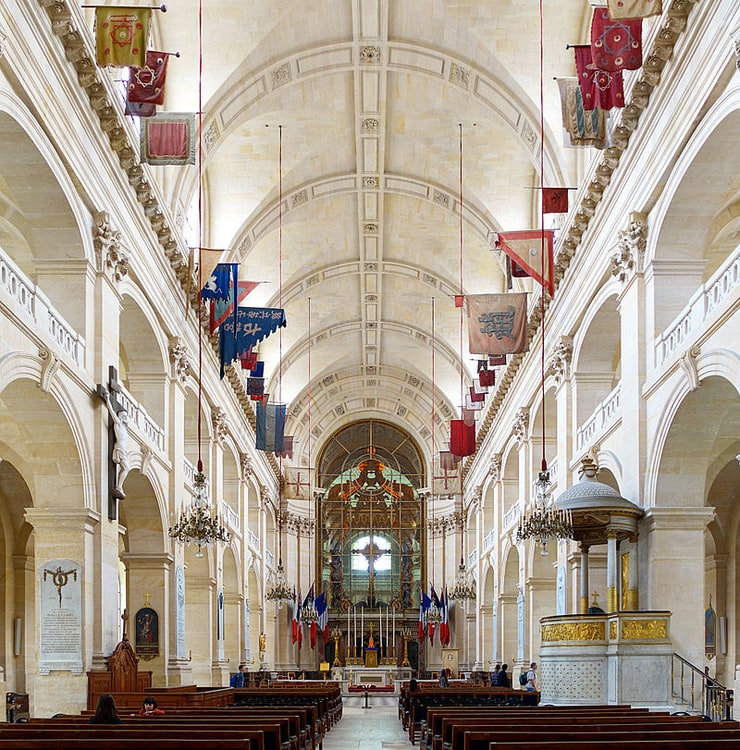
point(708, 743)
point(115, 742)
point(470, 739)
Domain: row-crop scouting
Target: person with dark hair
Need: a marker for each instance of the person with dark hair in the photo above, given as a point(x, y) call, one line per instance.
point(503, 677)
point(495, 675)
point(106, 712)
point(239, 679)
point(149, 708)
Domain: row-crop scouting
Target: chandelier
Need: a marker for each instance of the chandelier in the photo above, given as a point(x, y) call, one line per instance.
point(278, 590)
point(461, 589)
point(197, 524)
point(309, 614)
point(544, 519)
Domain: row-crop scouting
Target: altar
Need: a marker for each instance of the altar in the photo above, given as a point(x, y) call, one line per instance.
point(381, 676)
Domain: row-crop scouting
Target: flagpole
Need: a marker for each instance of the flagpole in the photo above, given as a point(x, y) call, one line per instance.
point(161, 7)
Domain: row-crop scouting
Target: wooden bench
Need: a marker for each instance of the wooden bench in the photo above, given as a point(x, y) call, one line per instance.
point(115, 742)
point(469, 739)
point(708, 743)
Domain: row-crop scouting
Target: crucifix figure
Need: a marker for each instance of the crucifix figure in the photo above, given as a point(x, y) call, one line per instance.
point(371, 552)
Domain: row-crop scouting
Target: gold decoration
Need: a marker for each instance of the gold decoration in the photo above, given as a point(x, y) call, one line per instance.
point(574, 631)
point(613, 630)
point(637, 630)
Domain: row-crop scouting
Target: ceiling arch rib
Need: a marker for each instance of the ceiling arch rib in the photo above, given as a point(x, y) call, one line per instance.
point(267, 219)
point(249, 93)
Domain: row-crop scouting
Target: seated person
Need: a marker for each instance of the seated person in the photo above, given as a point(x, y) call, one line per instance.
point(149, 708)
point(239, 680)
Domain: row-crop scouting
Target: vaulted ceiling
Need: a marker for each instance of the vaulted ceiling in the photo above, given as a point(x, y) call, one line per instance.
point(353, 223)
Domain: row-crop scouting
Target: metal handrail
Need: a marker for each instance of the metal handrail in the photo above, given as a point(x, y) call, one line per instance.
point(697, 691)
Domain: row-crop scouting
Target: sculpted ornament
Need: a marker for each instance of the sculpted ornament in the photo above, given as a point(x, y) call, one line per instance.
point(220, 424)
point(494, 468)
point(521, 424)
point(632, 244)
point(561, 358)
point(179, 359)
point(247, 467)
point(107, 244)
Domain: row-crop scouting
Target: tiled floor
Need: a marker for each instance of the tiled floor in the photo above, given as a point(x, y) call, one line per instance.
point(374, 728)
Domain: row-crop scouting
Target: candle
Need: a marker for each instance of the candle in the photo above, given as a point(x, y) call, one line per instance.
point(387, 625)
point(393, 648)
point(354, 639)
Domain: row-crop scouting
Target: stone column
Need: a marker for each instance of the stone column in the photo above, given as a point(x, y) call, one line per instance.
point(632, 599)
point(73, 535)
point(583, 601)
point(149, 578)
point(612, 598)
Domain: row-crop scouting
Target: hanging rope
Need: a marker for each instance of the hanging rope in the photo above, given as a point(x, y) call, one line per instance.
point(460, 292)
point(542, 224)
point(200, 227)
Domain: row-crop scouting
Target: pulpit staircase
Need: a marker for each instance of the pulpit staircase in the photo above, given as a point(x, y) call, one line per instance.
point(695, 692)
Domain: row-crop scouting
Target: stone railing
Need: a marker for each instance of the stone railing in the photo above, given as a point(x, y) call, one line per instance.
point(603, 416)
point(28, 303)
point(140, 419)
point(703, 303)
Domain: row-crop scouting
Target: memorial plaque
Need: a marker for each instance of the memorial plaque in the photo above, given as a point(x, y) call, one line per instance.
point(60, 621)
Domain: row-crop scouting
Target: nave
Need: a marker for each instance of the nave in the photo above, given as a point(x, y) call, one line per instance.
point(374, 728)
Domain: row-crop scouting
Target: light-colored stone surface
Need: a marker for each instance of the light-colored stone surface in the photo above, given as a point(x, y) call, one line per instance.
point(374, 728)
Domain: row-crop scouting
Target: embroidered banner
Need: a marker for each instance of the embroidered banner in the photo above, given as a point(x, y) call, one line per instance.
point(554, 200)
point(615, 45)
point(237, 338)
point(497, 323)
point(531, 250)
point(121, 35)
point(297, 483)
point(599, 88)
point(582, 128)
point(462, 438)
point(146, 84)
point(634, 8)
point(168, 138)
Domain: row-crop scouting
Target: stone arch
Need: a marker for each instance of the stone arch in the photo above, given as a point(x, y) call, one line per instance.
point(508, 606)
point(37, 183)
point(233, 608)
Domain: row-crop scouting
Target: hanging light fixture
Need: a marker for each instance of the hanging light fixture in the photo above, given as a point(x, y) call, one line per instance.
point(197, 523)
point(544, 519)
point(462, 590)
point(278, 588)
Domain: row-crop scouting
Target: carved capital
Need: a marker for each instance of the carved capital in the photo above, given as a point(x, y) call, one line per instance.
point(494, 468)
point(247, 466)
point(179, 359)
point(220, 424)
point(560, 359)
point(521, 424)
point(631, 247)
point(370, 55)
point(109, 255)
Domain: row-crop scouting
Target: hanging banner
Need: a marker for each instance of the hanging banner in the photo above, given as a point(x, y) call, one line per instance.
point(497, 323)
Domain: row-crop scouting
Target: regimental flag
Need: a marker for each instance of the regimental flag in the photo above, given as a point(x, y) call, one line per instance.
point(554, 200)
point(582, 128)
point(430, 626)
point(258, 368)
point(444, 626)
point(446, 481)
point(251, 326)
point(621, 9)
point(296, 617)
point(323, 612)
point(615, 44)
point(462, 438)
point(221, 282)
point(497, 323)
point(476, 397)
point(448, 461)
point(599, 88)
point(297, 483)
point(121, 35)
point(221, 309)
point(137, 109)
point(287, 451)
point(532, 250)
point(487, 378)
point(497, 360)
point(471, 407)
point(270, 427)
point(168, 138)
point(146, 84)
point(424, 603)
point(469, 417)
point(249, 361)
point(255, 388)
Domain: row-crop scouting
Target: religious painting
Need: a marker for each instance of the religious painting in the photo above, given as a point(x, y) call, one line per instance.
point(146, 637)
point(710, 628)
